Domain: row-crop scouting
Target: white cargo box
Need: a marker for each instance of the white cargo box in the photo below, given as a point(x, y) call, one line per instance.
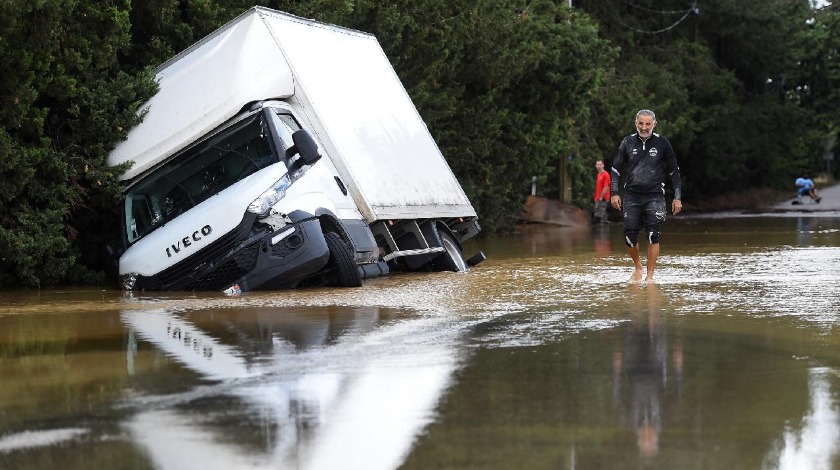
point(340, 83)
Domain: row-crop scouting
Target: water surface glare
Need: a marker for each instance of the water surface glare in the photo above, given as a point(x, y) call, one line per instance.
point(544, 356)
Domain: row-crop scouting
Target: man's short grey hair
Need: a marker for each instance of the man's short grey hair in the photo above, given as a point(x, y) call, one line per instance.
point(646, 112)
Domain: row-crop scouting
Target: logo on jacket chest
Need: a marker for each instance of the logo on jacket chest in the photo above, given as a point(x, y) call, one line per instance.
point(652, 152)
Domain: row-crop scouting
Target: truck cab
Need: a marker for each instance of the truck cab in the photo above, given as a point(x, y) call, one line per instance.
point(217, 214)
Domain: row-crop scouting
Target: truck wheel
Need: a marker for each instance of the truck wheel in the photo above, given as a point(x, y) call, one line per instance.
point(452, 259)
point(341, 264)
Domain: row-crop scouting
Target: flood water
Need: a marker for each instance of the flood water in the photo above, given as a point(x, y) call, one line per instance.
point(542, 357)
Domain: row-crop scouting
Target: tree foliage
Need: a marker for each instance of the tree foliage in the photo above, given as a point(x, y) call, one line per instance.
point(65, 101)
point(747, 91)
point(818, 78)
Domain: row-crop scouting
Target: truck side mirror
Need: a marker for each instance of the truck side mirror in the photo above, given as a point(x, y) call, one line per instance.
point(304, 145)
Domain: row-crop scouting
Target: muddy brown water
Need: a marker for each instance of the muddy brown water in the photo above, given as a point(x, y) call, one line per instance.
point(542, 357)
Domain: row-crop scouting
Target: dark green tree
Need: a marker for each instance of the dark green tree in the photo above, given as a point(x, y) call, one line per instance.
point(64, 102)
point(766, 140)
point(818, 83)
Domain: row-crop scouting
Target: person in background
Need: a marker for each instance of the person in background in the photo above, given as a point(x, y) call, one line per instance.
point(602, 192)
point(806, 187)
point(644, 161)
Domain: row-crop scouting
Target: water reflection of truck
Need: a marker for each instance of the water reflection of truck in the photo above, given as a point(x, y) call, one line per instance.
point(343, 387)
point(228, 185)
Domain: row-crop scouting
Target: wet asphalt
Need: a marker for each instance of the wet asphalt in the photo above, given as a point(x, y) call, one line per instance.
point(830, 202)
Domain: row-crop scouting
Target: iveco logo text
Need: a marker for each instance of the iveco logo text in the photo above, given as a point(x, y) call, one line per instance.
point(187, 241)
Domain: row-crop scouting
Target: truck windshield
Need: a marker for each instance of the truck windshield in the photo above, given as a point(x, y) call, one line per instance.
point(197, 174)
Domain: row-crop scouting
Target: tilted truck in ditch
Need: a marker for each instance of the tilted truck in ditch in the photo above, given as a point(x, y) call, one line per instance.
point(284, 152)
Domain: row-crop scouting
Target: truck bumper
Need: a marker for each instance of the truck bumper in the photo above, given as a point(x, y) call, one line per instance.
point(288, 256)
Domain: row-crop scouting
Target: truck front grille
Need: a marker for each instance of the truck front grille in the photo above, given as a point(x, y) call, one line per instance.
point(210, 268)
point(222, 276)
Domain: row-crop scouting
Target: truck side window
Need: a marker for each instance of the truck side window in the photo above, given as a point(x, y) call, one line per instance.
point(198, 173)
point(140, 214)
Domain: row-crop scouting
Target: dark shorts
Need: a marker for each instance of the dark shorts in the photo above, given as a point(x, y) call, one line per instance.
point(804, 191)
point(643, 211)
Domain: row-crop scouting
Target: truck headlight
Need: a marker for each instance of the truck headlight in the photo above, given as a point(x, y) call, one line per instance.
point(272, 196)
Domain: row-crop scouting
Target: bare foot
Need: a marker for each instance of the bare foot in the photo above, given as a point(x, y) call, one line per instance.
point(636, 276)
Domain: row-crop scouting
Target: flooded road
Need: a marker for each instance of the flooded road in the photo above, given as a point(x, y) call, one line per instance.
point(544, 356)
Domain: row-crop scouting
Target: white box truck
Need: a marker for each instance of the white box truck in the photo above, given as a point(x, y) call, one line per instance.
point(284, 152)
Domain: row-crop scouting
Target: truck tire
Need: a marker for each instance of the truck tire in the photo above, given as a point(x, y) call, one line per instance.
point(344, 272)
point(452, 259)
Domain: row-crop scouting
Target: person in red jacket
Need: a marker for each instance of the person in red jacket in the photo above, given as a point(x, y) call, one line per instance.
point(602, 192)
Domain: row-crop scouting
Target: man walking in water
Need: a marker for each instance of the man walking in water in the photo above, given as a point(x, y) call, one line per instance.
point(644, 161)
